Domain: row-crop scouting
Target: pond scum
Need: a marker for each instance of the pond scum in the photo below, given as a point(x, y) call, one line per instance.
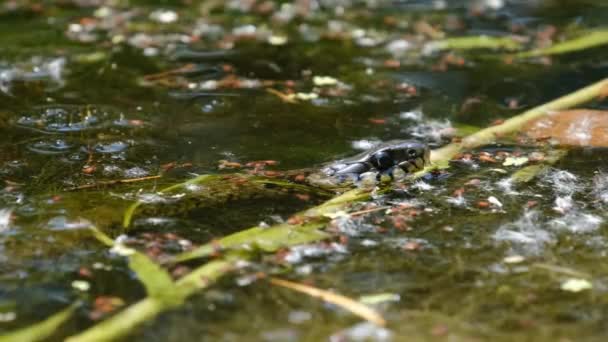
point(497, 176)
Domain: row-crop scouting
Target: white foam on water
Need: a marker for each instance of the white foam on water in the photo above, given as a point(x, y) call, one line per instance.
point(526, 235)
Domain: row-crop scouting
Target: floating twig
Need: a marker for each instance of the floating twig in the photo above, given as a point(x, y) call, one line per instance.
point(344, 302)
point(284, 97)
point(367, 211)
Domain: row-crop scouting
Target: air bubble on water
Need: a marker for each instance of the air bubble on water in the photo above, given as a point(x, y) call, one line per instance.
point(50, 146)
point(67, 118)
point(36, 69)
point(111, 147)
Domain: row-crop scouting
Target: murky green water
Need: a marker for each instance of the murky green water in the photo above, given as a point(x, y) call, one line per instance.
point(85, 98)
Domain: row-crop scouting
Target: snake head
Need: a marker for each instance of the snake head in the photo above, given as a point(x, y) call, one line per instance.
point(417, 158)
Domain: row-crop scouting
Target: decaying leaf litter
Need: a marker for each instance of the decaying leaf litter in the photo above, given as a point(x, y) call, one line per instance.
point(510, 225)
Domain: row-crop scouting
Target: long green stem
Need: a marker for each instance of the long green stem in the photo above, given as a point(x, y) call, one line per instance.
point(43, 330)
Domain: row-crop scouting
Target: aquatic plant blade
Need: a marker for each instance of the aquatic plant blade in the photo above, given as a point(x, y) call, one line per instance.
point(585, 41)
point(101, 236)
point(266, 239)
point(273, 238)
point(156, 280)
point(203, 276)
point(530, 172)
point(464, 130)
point(124, 322)
point(339, 202)
point(476, 42)
point(42, 330)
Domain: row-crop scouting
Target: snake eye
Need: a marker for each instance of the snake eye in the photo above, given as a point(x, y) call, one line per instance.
point(411, 152)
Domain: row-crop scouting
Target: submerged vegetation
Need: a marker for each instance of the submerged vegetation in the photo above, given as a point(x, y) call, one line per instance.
point(159, 167)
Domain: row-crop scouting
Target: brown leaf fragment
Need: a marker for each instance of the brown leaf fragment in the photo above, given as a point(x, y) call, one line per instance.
point(483, 204)
point(486, 158)
point(577, 127)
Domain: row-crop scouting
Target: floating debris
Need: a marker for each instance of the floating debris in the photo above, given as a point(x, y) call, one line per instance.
point(321, 81)
point(576, 285)
point(81, 285)
point(277, 40)
point(379, 298)
point(514, 259)
point(494, 201)
point(517, 161)
point(303, 96)
point(164, 16)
